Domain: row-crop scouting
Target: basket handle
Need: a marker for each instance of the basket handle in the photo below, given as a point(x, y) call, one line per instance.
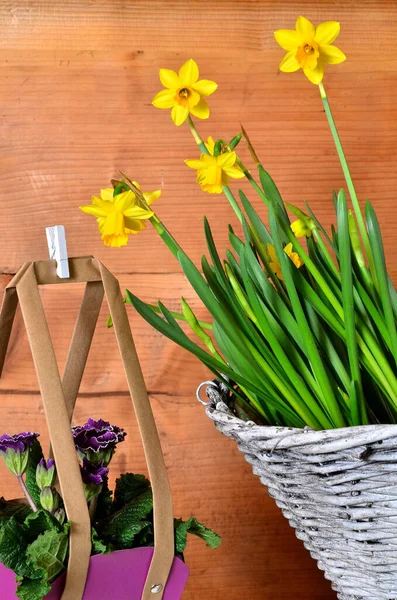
point(58, 405)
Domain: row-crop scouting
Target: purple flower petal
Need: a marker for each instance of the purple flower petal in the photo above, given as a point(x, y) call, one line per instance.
point(93, 474)
point(97, 435)
point(19, 442)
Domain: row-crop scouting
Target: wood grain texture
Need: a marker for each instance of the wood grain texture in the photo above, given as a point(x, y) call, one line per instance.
point(77, 81)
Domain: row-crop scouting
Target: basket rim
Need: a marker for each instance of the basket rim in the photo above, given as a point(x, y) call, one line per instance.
point(309, 441)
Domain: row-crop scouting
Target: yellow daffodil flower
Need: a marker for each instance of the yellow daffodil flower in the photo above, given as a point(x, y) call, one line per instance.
point(300, 229)
point(213, 172)
point(120, 216)
point(274, 262)
point(309, 47)
point(184, 94)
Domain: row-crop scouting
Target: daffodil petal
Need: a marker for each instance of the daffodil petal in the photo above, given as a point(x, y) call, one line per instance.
point(289, 64)
point(179, 114)
point(315, 75)
point(234, 172)
point(205, 87)
point(136, 185)
point(169, 79)
point(189, 73)
point(194, 164)
point(305, 29)
point(107, 194)
point(332, 55)
point(288, 248)
point(271, 252)
point(164, 99)
point(226, 160)
point(151, 197)
point(327, 32)
point(95, 211)
point(288, 39)
point(123, 201)
point(102, 204)
point(201, 110)
point(137, 212)
point(210, 144)
point(133, 226)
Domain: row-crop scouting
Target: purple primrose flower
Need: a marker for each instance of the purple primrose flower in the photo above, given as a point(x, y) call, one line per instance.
point(96, 440)
point(93, 474)
point(20, 442)
point(15, 450)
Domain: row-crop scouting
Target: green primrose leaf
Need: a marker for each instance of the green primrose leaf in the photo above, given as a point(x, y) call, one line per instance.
point(121, 528)
point(128, 487)
point(38, 523)
point(98, 546)
point(33, 589)
point(182, 528)
point(48, 552)
point(13, 546)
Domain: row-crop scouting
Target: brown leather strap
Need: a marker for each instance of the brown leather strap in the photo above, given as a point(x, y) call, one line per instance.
point(58, 422)
point(81, 343)
point(99, 278)
point(162, 499)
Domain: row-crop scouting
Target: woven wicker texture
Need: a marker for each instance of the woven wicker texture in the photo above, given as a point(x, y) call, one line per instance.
point(337, 488)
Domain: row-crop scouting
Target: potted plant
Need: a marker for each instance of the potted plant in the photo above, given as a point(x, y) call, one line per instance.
point(302, 338)
point(34, 533)
point(71, 536)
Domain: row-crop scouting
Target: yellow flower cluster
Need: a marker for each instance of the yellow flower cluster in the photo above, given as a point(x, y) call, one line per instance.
point(118, 216)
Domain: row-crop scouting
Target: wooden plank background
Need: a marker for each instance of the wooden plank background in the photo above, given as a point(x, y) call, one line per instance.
point(77, 79)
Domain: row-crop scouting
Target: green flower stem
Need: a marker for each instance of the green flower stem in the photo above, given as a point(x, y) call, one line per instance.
point(252, 181)
point(348, 178)
point(26, 493)
point(196, 135)
point(165, 235)
point(226, 190)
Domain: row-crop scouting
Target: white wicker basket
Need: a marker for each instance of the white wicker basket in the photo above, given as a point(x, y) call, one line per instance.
point(337, 488)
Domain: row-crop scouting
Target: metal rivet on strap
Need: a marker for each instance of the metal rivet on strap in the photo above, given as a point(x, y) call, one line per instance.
point(157, 588)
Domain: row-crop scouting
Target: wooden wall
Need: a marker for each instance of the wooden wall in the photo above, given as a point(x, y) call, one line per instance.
point(76, 83)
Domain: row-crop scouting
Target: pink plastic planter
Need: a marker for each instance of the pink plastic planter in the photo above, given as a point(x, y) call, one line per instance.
point(118, 575)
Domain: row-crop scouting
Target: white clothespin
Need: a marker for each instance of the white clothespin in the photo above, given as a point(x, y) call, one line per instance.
point(56, 240)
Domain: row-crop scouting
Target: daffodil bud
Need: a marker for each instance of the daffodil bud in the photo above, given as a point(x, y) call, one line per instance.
point(192, 320)
point(355, 240)
point(218, 148)
point(300, 229)
point(236, 140)
point(304, 225)
point(45, 473)
point(49, 499)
